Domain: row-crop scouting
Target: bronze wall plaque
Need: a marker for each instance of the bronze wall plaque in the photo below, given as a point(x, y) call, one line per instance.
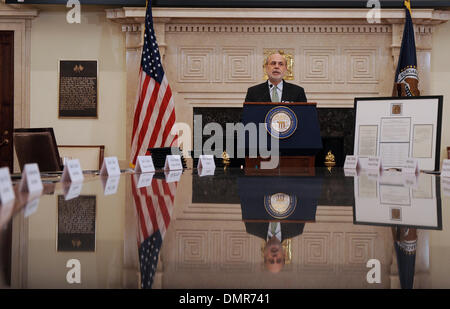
point(78, 88)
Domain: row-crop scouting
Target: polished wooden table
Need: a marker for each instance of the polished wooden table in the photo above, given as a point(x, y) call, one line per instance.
point(190, 231)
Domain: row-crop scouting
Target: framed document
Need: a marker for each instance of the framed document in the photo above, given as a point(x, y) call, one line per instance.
point(409, 127)
point(78, 95)
point(422, 140)
point(368, 140)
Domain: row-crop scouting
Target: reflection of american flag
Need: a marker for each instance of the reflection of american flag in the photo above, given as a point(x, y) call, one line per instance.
point(154, 112)
point(154, 205)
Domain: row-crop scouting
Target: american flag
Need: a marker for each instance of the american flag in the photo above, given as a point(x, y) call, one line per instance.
point(154, 206)
point(154, 112)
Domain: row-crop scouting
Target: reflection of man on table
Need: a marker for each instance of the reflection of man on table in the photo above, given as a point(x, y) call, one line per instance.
point(274, 233)
point(275, 89)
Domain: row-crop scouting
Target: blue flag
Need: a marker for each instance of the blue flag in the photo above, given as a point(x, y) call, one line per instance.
point(406, 76)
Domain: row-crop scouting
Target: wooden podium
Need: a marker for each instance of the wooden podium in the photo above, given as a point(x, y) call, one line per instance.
point(295, 125)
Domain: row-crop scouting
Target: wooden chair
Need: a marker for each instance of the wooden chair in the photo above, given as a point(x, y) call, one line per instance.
point(90, 156)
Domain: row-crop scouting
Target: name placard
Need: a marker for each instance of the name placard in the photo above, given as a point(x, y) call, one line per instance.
point(31, 207)
point(72, 171)
point(351, 172)
point(144, 164)
point(374, 175)
point(374, 163)
point(173, 163)
point(143, 180)
point(31, 179)
point(110, 184)
point(411, 180)
point(206, 162)
point(6, 212)
point(206, 172)
point(445, 172)
point(173, 176)
point(110, 167)
point(6, 188)
point(351, 162)
point(72, 190)
point(411, 166)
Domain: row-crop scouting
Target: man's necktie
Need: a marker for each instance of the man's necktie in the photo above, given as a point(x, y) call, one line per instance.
point(273, 227)
point(275, 97)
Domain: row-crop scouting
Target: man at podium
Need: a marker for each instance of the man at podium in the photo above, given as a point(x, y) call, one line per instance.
point(275, 89)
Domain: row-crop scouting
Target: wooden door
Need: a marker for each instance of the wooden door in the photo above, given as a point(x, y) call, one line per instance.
point(6, 98)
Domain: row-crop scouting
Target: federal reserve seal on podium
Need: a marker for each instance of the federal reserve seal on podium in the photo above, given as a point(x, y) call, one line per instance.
point(280, 205)
point(281, 122)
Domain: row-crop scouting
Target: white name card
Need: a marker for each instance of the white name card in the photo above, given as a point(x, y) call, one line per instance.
point(6, 188)
point(31, 179)
point(110, 184)
point(445, 172)
point(110, 167)
point(72, 171)
point(411, 180)
point(173, 163)
point(411, 166)
point(351, 172)
point(31, 207)
point(206, 161)
point(374, 163)
point(374, 174)
point(143, 180)
point(351, 162)
point(144, 164)
point(6, 212)
point(73, 190)
point(173, 176)
point(206, 172)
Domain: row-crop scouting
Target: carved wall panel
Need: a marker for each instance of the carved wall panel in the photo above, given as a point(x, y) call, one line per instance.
point(196, 64)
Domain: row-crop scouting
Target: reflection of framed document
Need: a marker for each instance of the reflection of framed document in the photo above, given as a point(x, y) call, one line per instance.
point(367, 187)
point(396, 214)
point(78, 88)
point(409, 127)
point(424, 188)
point(397, 207)
point(395, 195)
point(76, 223)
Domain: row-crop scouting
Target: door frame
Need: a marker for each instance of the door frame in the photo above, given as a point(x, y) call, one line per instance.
point(19, 21)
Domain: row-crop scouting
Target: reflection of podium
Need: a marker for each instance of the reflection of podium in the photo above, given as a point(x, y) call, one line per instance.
point(294, 125)
point(283, 199)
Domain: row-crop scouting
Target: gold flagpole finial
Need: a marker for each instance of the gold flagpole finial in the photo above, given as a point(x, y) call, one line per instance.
point(407, 3)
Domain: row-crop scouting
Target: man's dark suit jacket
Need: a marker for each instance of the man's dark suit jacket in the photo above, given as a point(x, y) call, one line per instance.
point(288, 230)
point(291, 93)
